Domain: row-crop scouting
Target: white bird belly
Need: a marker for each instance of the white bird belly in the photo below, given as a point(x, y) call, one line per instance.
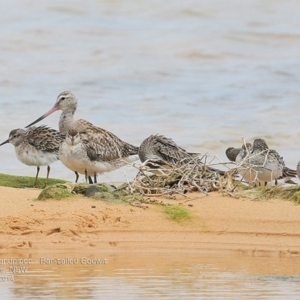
point(33, 157)
point(107, 166)
point(75, 159)
point(268, 173)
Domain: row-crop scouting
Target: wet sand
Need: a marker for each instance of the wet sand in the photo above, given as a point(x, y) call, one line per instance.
point(218, 223)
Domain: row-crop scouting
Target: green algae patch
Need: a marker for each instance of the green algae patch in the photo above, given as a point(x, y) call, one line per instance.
point(177, 213)
point(102, 191)
point(80, 188)
point(108, 197)
point(25, 182)
point(134, 198)
point(237, 189)
point(272, 192)
point(110, 194)
point(58, 192)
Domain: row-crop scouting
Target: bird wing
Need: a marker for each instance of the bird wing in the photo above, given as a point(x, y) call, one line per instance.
point(169, 151)
point(44, 138)
point(102, 144)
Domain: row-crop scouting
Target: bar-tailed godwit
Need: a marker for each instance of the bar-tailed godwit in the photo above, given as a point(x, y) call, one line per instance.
point(36, 146)
point(111, 152)
point(158, 150)
point(78, 154)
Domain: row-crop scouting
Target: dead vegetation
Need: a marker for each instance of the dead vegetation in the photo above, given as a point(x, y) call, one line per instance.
point(181, 178)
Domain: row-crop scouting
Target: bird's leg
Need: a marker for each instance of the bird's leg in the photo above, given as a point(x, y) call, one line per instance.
point(77, 176)
point(37, 174)
point(48, 172)
point(86, 176)
point(95, 177)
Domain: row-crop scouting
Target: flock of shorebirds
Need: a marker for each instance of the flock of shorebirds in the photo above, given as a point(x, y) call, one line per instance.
point(90, 150)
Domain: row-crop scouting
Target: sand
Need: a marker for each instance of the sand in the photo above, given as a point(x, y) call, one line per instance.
point(218, 223)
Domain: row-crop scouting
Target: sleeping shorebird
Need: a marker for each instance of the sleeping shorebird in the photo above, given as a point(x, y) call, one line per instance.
point(258, 164)
point(237, 154)
point(240, 156)
point(112, 153)
point(36, 146)
point(232, 153)
point(157, 151)
point(268, 163)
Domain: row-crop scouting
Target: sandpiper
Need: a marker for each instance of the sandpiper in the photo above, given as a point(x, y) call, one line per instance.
point(80, 155)
point(74, 155)
point(158, 150)
point(237, 154)
point(240, 157)
point(232, 153)
point(268, 163)
point(36, 146)
point(112, 152)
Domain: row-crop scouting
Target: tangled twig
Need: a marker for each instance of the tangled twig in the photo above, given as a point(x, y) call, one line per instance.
point(197, 175)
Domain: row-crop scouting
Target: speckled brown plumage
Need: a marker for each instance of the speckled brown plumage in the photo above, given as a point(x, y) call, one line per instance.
point(158, 150)
point(262, 155)
point(158, 147)
point(44, 138)
point(80, 154)
point(100, 144)
point(103, 142)
point(36, 146)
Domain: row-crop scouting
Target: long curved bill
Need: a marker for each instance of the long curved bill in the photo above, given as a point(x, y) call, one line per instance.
point(7, 141)
point(49, 112)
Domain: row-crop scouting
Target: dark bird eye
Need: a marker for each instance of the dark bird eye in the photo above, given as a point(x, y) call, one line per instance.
point(62, 98)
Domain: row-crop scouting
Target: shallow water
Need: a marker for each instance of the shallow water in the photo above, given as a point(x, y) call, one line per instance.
point(204, 73)
point(152, 276)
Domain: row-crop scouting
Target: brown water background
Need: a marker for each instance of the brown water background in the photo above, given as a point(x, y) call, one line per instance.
point(152, 276)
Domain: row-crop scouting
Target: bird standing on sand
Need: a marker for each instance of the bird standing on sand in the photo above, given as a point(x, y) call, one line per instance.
point(80, 155)
point(74, 155)
point(36, 146)
point(111, 152)
point(157, 151)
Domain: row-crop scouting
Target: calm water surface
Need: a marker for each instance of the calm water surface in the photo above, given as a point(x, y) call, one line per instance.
point(204, 73)
point(156, 276)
